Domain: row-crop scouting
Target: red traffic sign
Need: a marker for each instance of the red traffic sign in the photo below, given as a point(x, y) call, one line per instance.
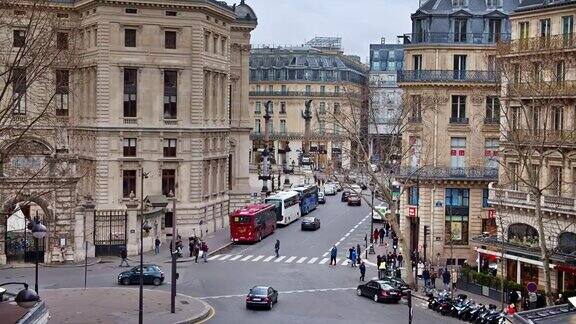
point(412, 212)
point(491, 213)
point(532, 287)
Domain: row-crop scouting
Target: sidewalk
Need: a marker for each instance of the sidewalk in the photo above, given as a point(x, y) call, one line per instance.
point(91, 262)
point(120, 305)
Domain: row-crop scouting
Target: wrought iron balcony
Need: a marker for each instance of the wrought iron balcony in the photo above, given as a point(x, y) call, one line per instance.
point(487, 77)
point(288, 136)
point(543, 138)
point(294, 94)
point(448, 173)
point(538, 44)
point(491, 120)
point(543, 89)
point(415, 119)
point(517, 198)
point(455, 38)
point(459, 120)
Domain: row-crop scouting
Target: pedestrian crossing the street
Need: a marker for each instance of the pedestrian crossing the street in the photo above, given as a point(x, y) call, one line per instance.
point(281, 259)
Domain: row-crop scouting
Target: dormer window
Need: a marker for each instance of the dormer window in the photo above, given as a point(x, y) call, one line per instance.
point(460, 3)
point(494, 3)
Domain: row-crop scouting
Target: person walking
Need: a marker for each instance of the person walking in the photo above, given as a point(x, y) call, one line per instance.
point(382, 270)
point(446, 279)
point(381, 234)
point(433, 277)
point(353, 259)
point(426, 277)
point(387, 229)
point(350, 253)
point(277, 248)
point(204, 249)
point(196, 251)
point(359, 254)
point(191, 244)
point(157, 246)
point(333, 254)
point(378, 261)
point(124, 255)
point(362, 271)
point(400, 259)
point(375, 235)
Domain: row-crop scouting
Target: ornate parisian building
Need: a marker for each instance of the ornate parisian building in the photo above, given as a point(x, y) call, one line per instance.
point(156, 86)
point(452, 138)
point(287, 77)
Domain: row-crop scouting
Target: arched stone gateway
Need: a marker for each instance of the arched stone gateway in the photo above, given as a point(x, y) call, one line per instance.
point(34, 173)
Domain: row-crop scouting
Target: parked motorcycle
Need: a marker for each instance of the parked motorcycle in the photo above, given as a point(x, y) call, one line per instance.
point(491, 310)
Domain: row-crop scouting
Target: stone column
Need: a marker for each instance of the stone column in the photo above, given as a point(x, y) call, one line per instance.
point(132, 228)
point(2, 235)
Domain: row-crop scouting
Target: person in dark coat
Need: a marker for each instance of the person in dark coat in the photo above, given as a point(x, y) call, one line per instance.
point(333, 253)
point(381, 235)
point(446, 279)
point(350, 253)
point(362, 271)
point(387, 230)
point(400, 259)
point(375, 235)
point(433, 277)
point(124, 255)
point(277, 248)
point(426, 277)
point(378, 261)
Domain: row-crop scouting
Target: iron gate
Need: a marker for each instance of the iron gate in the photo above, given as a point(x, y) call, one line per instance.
point(110, 231)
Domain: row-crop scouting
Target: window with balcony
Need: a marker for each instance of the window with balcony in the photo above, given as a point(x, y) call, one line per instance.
point(555, 186)
point(336, 108)
point(416, 108)
point(336, 89)
point(415, 151)
point(560, 72)
point(321, 127)
point(257, 126)
point(485, 197)
point(170, 147)
point(458, 110)
point(494, 30)
point(283, 108)
point(458, 152)
point(512, 173)
point(545, 28)
point(130, 92)
point(168, 181)
point(170, 94)
point(414, 196)
point(514, 118)
point(62, 41)
point(128, 183)
point(129, 147)
point(282, 126)
point(322, 89)
point(129, 37)
point(558, 118)
point(257, 108)
point(336, 129)
point(457, 213)
point(270, 108)
point(460, 67)
point(492, 110)
point(417, 62)
point(524, 27)
point(62, 92)
point(284, 89)
point(19, 38)
point(170, 39)
point(491, 148)
point(19, 88)
point(568, 30)
point(535, 127)
point(270, 88)
point(460, 30)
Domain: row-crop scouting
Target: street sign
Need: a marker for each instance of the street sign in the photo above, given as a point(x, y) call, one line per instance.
point(412, 212)
point(532, 287)
point(491, 213)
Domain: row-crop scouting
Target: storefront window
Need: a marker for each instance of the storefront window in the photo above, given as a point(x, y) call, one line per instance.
point(528, 273)
point(567, 242)
point(457, 212)
point(523, 234)
point(511, 270)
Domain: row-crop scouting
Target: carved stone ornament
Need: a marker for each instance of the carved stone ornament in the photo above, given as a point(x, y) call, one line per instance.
point(430, 101)
point(477, 100)
point(24, 166)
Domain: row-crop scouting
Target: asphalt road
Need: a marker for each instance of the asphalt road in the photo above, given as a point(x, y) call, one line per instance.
point(310, 291)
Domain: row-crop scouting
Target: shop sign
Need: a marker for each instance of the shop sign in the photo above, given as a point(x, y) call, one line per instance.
point(491, 213)
point(412, 212)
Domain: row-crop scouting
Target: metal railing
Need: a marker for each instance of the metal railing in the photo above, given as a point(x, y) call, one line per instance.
point(540, 137)
point(488, 77)
point(538, 44)
point(509, 197)
point(294, 94)
point(459, 120)
point(296, 136)
point(455, 38)
point(449, 173)
point(543, 89)
point(491, 120)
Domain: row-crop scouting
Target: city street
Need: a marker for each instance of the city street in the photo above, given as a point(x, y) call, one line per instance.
point(311, 291)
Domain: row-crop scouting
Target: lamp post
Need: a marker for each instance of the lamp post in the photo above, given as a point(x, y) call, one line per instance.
point(173, 255)
point(39, 231)
point(143, 175)
point(25, 298)
point(372, 216)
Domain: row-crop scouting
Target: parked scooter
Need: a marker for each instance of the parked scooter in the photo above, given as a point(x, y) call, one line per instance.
point(491, 310)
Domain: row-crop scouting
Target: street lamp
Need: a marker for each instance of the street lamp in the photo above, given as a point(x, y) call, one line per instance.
point(25, 298)
point(143, 175)
point(372, 218)
point(39, 231)
point(173, 255)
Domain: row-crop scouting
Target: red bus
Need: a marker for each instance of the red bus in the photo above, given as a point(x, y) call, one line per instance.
point(252, 223)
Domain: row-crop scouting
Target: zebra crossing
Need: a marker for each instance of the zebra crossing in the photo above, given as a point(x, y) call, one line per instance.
point(281, 259)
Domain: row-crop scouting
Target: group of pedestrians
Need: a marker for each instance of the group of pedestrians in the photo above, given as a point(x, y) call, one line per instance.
point(379, 234)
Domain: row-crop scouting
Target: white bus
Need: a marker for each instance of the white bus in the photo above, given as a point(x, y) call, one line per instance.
point(287, 205)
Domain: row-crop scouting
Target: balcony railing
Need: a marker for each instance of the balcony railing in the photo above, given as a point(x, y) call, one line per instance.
point(554, 204)
point(448, 173)
point(538, 44)
point(455, 38)
point(543, 89)
point(491, 120)
point(488, 77)
point(459, 120)
point(415, 119)
point(545, 138)
point(295, 136)
point(293, 94)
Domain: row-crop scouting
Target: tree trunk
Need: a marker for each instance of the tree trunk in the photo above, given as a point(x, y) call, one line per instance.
point(543, 249)
point(402, 243)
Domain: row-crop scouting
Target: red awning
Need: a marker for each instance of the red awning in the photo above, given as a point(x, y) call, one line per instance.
point(566, 267)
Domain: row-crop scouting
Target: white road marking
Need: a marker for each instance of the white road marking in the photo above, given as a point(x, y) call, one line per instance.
point(290, 259)
point(280, 258)
point(347, 234)
point(214, 257)
point(226, 256)
point(257, 258)
point(285, 292)
point(246, 258)
point(236, 258)
point(345, 262)
point(323, 261)
point(325, 254)
point(302, 259)
point(337, 243)
point(312, 260)
point(269, 258)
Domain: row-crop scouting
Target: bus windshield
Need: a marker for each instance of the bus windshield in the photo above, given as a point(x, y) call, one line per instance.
point(277, 203)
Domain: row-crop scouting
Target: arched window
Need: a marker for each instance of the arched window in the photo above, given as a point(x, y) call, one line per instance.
point(567, 242)
point(522, 233)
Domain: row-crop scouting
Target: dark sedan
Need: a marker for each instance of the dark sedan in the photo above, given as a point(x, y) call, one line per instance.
point(354, 200)
point(345, 195)
point(397, 283)
point(153, 275)
point(379, 291)
point(261, 296)
point(310, 223)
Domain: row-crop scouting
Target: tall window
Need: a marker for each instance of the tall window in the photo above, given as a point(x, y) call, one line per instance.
point(336, 108)
point(492, 109)
point(415, 150)
point(416, 109)
point(282, 126)
point(308, 89)
point(460, 30)
point(458, 110)
point(458, 152)
point(257, 126)
point(19, 38)
point(129, 37)
point(545, 28)
point(321, 127)
point(512, 172)
point(419, 30)
point(536, 119)
point(336, 89)
point(62, 92)
point(169, 39)
point(322, 109)
point(170, 94)
point(485, 197)
point(514, 118)
point(257, 108)
point(457, 214)
point(283, 89)
point(524, 29)
point(130, 92)
point(491, 153)
point(568, 30)
point(129, 146)
point(170, 147)
point(560, 71)
point(558, 118)
point(414, 196)
point(128, 183)
point(19, 90)
point(168, 181)
point(417, 62)
point(322, 89)
point(494, 30)
point(460, 67)
point(62, 41)
point(283, 107)
point(555, 180)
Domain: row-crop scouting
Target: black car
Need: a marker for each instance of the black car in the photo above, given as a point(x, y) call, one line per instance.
point(345, 195)
point(397, 283)
point(261, 296)
point(310, 223)
point(379, 290)
point(153, 275)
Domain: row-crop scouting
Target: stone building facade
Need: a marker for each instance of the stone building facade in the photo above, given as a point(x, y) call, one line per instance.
point(452, 135)
point(160, 87)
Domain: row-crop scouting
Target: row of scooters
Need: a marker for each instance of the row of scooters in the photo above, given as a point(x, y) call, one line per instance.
point(463, 308)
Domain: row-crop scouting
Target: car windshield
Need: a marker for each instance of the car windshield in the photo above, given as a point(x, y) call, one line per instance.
point(259, 291)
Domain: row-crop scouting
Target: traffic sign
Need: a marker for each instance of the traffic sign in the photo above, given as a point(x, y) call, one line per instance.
point(532, 287)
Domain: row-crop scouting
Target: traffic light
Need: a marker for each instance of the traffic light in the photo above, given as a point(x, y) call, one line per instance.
point(426, 230)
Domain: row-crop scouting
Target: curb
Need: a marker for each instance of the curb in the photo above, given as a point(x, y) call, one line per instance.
point(50, 265)
point(208, 312)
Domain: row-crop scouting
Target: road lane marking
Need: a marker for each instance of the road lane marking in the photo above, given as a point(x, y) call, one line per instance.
point(302, 259)
point(285, 292)
point(290, 259)
point(337, 243)
point(280, 258)
point(214, 257)
point(226, 256)
point(246, 258)
point(257, 258)
point(347, 234)
point(236, 258)
point(345, 262)
point(312, 260)
point(269, 258)
point(325, 254)
point(323, 261)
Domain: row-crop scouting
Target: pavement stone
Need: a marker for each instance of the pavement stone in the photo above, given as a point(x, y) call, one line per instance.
point(120, 305)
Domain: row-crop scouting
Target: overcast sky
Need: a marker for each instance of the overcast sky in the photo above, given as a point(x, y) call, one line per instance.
point(358, 22)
